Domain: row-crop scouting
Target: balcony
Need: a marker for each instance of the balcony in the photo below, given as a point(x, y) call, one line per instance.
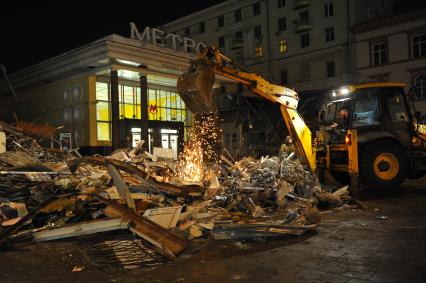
point(303, 25)
point(301, 4)
point(237, 44)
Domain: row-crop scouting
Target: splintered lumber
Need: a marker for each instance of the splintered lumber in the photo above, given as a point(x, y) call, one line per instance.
point(10, 129)
point(169, 188)
point(121, 186)
point(5, 234)
point(326, 197)
point(82, 228)
point(160, 237)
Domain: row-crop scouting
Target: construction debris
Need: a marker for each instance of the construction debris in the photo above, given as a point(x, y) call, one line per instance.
point(48, 194)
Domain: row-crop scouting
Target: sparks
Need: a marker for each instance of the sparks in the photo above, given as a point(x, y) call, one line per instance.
point(201, 147)
point(190, 167)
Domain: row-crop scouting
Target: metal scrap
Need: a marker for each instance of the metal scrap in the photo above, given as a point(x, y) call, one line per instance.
point(68, 195)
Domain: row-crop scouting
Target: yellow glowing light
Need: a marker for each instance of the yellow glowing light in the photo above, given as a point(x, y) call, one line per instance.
point(190, 167)
point(199, 148)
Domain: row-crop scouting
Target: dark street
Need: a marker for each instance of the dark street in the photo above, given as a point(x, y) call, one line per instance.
point(384, 243)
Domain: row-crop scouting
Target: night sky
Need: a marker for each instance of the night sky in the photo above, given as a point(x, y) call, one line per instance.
point(31, 33)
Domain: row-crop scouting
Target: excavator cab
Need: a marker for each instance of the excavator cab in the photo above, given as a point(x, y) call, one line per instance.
point(390, 143)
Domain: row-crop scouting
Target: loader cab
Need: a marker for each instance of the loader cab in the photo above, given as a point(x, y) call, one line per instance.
point(376, 110)
point(383, 119)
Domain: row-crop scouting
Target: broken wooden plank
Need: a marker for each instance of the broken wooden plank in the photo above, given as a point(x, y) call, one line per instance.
point(160, 237)
point(17, 158)
point(226, 160)
point(328, 198)
point(10, 129)
point(2, 142)
point(121, 186)
point(98, 160)
point(147, 197)
point(82, 228)
point(164, 216)
point(5, 234)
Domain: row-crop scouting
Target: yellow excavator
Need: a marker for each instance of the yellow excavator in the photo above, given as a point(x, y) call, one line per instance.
point(384, 156)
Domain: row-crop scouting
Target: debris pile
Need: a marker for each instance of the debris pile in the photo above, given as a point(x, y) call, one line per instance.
point(48, 194)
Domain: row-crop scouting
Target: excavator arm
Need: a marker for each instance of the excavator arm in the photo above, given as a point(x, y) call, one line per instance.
point(195, 88)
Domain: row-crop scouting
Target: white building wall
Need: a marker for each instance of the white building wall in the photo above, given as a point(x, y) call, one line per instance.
point(399, 40)
point(401, 66)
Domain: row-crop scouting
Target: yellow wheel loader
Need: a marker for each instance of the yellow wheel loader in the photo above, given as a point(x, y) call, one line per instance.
point(391, 141)
point(382, 147)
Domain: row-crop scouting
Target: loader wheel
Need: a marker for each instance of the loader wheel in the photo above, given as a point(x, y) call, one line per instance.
point(383, 164)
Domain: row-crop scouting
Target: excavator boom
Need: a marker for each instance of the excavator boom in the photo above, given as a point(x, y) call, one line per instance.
point(196, 85)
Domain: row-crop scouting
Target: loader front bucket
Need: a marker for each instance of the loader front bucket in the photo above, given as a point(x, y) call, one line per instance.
point(195, 86)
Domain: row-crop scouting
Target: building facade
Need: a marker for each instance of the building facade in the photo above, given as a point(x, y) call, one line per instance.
point(303, 44)
point(107, 94)
point(394, 49)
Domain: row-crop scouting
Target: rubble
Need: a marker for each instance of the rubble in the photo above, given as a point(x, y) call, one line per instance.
point(48, 194)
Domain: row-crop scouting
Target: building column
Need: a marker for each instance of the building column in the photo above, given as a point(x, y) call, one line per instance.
point(144, 109)
point(115, 111)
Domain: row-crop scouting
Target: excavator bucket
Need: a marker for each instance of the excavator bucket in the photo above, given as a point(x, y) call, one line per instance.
point(195, 86)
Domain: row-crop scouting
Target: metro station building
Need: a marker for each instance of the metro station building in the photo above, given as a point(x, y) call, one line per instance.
point(108, 94)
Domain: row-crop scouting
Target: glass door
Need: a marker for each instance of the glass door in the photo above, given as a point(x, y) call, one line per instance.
point(136, 136)
point(170, 139)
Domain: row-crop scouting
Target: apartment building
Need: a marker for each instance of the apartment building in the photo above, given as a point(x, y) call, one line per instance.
point(301, 43)
point(394, 49)
point(304, 44)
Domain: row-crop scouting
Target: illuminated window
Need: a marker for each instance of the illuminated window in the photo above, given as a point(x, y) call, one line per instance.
point(163, 105)
point(103, 112)
point(129, 99)
point(102, 92)
point(283, 46)
point(103, 131)
point(259, 52)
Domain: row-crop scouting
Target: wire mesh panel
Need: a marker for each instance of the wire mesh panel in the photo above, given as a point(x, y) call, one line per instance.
point(122, 252)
